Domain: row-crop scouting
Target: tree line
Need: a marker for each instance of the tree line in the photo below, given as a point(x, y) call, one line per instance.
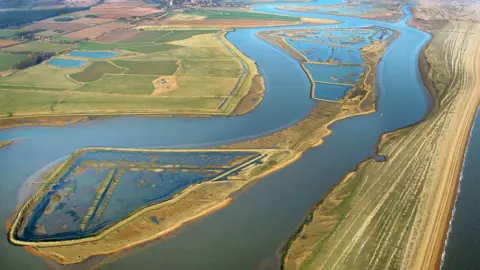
point(21, 17)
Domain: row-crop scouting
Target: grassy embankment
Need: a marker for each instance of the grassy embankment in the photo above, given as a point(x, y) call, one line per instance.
point(394, 214)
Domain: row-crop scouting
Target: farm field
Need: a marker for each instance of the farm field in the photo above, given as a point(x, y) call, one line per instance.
point(12, 101)
point(211, 14)
point(213, 68)
point(166, 67)
point(39, 46)
point(96, 31)
point(7, 60)
point(42, 75)
point(95, 71)
point(165, 71)
point(121, 84)
point(8, 42)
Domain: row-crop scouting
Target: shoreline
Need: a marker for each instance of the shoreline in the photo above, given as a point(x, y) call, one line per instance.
point(426, 241)
point(437, 236)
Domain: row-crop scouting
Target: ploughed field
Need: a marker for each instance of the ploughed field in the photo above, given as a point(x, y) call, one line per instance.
point(164, 71)
point(334, 58)
point(98, 188)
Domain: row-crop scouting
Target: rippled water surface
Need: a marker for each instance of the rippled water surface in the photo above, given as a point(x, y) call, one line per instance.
point(463, 244)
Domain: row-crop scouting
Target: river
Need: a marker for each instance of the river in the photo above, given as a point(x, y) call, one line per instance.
point(247, 234)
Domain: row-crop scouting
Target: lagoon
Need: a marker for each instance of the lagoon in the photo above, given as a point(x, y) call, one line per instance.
point(66, 63)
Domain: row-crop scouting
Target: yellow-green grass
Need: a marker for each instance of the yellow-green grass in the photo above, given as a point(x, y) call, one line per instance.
point(94, 46)
point(7, 60)
point(203, 86)
point(43, 76)
point(134, 47)
point(188, 53)
point(230, 68)
point(182, 34)
point(150, 48)
point(6, 33)
point(39, 46)
point(95, 71)
point(121, 84)
point(165, 67)
point(48, 33)
point(232, 15)
point(27, 101)
point(144, 36)
point(83, 102)
point(26, 87)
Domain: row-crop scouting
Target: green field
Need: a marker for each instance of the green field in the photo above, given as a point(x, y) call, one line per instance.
point(97, 46)
point(151, 48)
point(133, 47)
point(39, 46)
point(96, 71)
point(6, 33)
point(166, 67)
point(82, 102)
point(229, 14)
point(182, 34)
point(189, 53)
point(26, 87)
point(121, 84)
point(205, 68)
point(7, 60)
point(207, 73)
point(48, 33)
point(42, 76)
point(200, 86)
point(18, 101)
point(144, 36)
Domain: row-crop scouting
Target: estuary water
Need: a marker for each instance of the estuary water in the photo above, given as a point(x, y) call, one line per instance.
point(247, 234)
point(463, 241)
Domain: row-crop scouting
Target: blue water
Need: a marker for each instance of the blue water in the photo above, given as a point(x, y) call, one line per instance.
point(68, 63)
point(330, 91)
point(463, 243)
point(263, 216)
point(79, 186)
point(335, 74)
point(94, 54)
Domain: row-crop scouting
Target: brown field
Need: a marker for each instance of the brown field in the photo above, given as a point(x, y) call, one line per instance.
point(112, 11)
point(97, 31)
point(224, 23)
point(64, 26)
point(117, 35)
point(93, 20)
point(8, 42)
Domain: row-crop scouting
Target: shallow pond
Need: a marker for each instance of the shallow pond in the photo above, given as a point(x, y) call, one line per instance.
point(94, 54)
point(330, 91)
point(67, 63)
point(103, 187)
point(335, 74)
